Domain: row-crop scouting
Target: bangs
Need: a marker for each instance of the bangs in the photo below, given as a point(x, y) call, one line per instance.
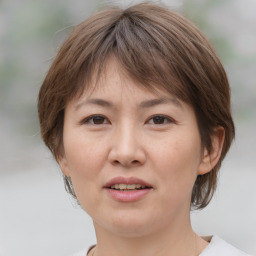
point(143, 53)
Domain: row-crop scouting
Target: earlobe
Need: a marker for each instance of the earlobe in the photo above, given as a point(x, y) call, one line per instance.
point(62, 161)
point(211, 158)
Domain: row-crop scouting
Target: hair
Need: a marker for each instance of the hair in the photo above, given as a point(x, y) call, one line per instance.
point(159, 49)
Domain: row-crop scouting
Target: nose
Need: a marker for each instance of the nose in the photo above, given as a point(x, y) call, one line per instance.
point(127, 149)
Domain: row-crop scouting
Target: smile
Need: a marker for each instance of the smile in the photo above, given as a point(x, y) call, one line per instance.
point(127, 189)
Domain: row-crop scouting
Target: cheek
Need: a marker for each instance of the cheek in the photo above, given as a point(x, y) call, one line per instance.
point(85, 157)
point(85, 160)
point(177, 158)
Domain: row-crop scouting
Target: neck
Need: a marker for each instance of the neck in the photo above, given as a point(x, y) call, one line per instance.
point(173, 240)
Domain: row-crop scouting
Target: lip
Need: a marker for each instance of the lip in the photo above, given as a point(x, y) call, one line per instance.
point(127, 180)
point(127, 195)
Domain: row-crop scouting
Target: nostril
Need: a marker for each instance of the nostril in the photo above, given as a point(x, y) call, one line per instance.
point(135, 162)
point(126, 163)
point(115, 162)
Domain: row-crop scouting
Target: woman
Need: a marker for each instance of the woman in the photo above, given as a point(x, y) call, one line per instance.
point(136, 110)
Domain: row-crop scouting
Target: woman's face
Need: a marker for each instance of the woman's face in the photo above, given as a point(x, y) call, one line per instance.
point(133, 156)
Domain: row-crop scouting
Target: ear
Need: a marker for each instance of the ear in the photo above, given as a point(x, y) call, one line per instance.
point(63, 163)
point(210, 159)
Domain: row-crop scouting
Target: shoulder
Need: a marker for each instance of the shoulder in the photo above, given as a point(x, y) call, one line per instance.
point(219, 247)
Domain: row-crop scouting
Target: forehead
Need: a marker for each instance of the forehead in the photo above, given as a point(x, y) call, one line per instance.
point(114, 83)
point(117, 92)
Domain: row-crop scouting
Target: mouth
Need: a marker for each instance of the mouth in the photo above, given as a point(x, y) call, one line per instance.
point(127, 184)
point(127, 189)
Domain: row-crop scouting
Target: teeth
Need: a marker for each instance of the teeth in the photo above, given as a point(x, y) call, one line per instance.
point(122, 186)
point(133, 186)
point(127, 186)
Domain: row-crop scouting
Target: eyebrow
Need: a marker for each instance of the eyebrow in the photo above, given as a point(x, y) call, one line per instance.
point(143, 104)
point(99, 102)
point(155, 102)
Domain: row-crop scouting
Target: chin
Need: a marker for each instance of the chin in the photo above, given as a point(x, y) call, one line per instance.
point(133, 230)
point(130, 224)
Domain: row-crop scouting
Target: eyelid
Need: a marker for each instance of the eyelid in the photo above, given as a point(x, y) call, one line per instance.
point(170, 119)
point(89, 118)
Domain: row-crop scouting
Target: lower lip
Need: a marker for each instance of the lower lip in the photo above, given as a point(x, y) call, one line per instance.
point(128, 196)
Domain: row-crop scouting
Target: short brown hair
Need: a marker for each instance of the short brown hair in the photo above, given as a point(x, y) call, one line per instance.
point(157, 48)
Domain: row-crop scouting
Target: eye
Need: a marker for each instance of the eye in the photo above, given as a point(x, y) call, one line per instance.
point(160, 119)
point(95, 120)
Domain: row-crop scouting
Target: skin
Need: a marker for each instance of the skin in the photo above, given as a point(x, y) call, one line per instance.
point(125, 138)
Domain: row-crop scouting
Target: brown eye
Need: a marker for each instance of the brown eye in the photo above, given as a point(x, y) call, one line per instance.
point(96, 120)
point(159, 120)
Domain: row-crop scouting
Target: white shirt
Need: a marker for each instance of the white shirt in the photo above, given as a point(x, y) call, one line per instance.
point(217, 247)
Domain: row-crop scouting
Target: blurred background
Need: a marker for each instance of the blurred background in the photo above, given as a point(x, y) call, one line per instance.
point(37, 217)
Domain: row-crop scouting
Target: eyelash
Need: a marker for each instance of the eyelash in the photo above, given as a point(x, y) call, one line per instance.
point(91, 120)
point(88, 119)
point(166, 118)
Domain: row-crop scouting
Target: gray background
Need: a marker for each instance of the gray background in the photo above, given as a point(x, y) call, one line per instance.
point(37, 217)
